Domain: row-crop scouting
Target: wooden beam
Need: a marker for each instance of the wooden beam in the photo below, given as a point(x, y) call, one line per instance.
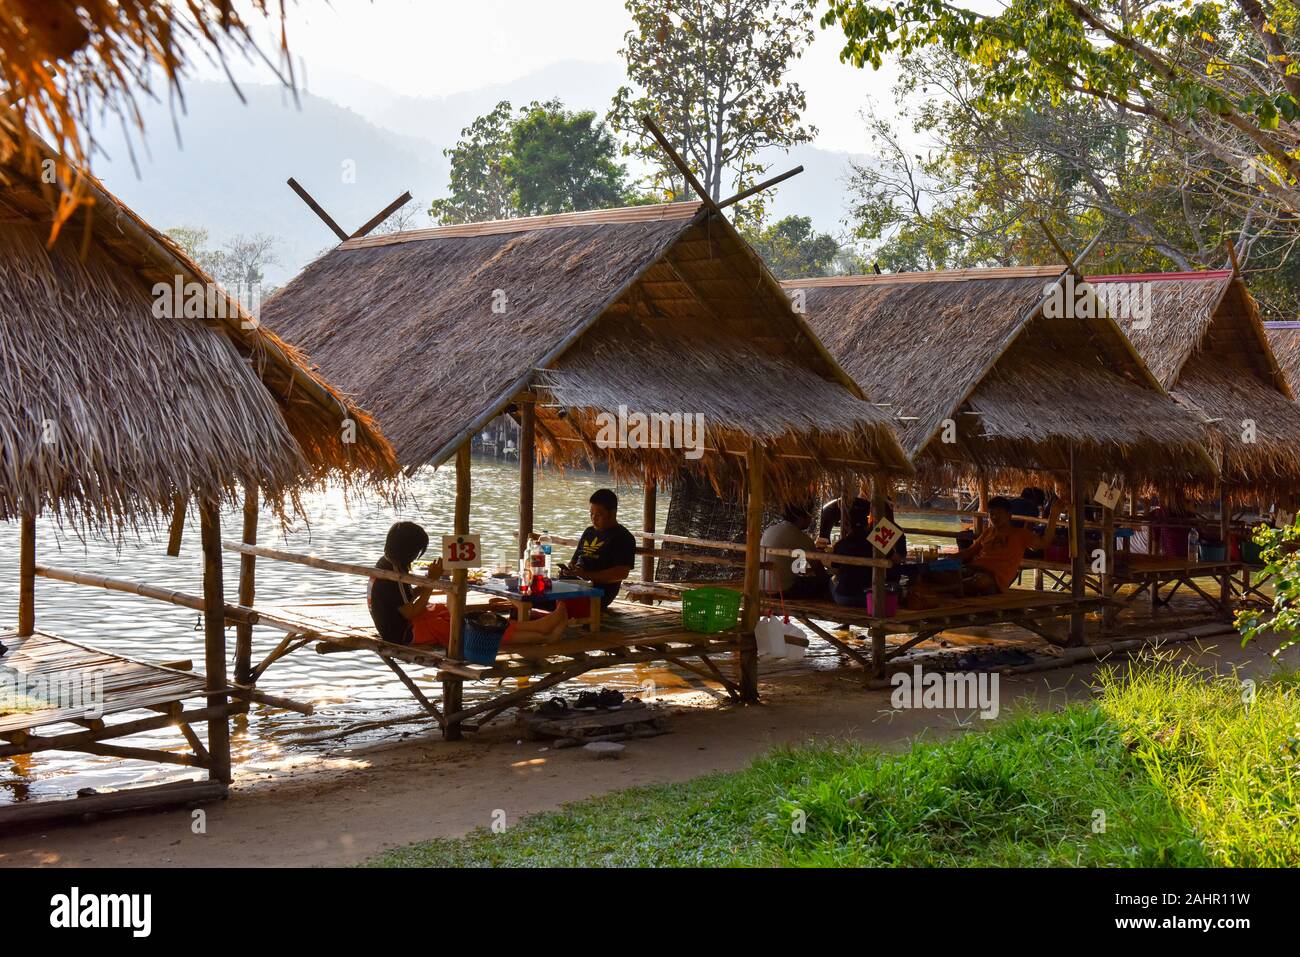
point(878, 651)
point(247, 589)
point(767, 183)
point(177, 528)
point(649, 507)
point(27, 576)
point(527, 468)
point(680, 163)
point(383, 214)
point(452, 686)
point(214, 638)
point(748, 653)
point(316, 208)
point(1077, 545)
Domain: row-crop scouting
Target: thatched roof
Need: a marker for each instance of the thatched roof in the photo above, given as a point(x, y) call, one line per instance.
point(654, 308)
point(974, 348)
point(108, 411)
point(1205, 342)
point(1284, 339)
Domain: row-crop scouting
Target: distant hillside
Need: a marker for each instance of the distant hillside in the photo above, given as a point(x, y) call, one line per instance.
point(228, 172)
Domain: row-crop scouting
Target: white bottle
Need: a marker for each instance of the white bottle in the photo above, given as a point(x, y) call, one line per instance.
point(1193, 546)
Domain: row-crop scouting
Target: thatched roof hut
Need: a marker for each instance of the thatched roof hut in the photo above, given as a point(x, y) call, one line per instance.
point(1284, 340)
point(110, 411)
point(1204, 340)
point(652, 309)
point(979, 379)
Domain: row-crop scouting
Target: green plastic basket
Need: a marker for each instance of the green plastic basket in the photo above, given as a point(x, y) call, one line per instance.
point(709, 610)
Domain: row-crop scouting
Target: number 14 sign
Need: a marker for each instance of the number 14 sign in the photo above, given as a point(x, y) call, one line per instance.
point(885, 536)
point(461, 551)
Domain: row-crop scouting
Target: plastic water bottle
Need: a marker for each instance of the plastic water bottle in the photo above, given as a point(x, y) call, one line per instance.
point(1193, 546)
point(545, 542)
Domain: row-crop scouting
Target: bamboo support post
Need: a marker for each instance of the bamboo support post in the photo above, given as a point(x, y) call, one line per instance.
point(878, 501)
point(1225, 522)
point(1107, 579)
point(247, 589)
point(527, 466)
point(453, 686)
point(177, 527)
point(984, 501)
point(214, 638)
point(27, 575)
point(748, 654)
point(649, 506)
point(1077, 545)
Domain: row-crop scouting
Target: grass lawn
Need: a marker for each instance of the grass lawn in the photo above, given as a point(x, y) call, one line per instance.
point(1185, 771)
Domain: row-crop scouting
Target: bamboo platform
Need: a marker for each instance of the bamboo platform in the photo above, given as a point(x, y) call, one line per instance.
point(106, 684)
point(1149, 574)
point(1021, 607)
point(630, 633)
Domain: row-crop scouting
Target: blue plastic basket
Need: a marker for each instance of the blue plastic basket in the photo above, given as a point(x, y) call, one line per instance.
point(480, 643)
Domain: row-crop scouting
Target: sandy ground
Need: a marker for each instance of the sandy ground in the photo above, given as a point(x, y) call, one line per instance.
point(363, 801)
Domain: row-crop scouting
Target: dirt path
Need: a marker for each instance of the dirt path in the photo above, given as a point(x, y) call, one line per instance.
point(366, 800)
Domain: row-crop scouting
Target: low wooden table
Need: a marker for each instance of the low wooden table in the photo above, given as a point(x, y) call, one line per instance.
point(562, 589)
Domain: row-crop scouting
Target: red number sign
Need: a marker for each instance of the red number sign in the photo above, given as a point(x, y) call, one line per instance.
point(461, 551)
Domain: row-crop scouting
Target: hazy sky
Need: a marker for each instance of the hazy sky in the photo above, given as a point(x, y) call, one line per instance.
point(439, 47)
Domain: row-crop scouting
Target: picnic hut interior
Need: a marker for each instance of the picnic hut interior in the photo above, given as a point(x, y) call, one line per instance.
point(188, 410)
point(558, 321)
point(1201, 335)
point(990, 388)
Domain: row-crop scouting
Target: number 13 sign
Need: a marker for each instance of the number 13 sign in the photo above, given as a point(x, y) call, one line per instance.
point(461, 551)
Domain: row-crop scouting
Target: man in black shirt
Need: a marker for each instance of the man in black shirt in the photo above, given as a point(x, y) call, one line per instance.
point(606, 552)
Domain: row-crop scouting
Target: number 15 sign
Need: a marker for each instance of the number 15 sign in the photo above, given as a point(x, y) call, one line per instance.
point(461, 551)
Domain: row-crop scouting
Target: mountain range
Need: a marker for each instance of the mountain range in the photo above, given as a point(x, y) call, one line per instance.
point(221, 164)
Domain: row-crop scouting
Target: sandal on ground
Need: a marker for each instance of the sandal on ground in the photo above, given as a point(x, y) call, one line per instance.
point(609, 698)
point(587, 700)
point(554, 708)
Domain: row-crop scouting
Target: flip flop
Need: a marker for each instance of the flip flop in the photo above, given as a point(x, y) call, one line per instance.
point(609, 698)
point(554, 708)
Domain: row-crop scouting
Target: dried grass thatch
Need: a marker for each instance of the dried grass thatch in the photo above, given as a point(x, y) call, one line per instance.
point(1205, 342)
point(655, 308)
point(973, 347)
point(1285, 343)
point(110, 412)
point(65, 64)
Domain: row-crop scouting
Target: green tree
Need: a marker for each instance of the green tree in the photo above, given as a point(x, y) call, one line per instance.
point(1219, 77)
point(712, 73)
point(560, 162)
point(480, 188)
point(793, 250)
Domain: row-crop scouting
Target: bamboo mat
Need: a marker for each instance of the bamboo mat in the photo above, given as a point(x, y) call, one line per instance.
point(46, 663)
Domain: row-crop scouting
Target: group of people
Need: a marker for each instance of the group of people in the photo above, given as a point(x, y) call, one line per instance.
point(404, 614)
point(989, 563)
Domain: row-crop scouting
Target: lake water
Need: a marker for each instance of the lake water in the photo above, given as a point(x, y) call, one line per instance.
point(347, 690)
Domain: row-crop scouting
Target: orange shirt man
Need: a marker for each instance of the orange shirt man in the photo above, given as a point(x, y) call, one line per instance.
point(1000, 549)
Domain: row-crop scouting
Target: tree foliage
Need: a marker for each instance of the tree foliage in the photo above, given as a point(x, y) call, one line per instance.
point(713, 75)
point(793, 250)
point(542, 159)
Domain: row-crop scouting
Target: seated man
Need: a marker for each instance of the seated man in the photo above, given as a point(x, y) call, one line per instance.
point(606, 552)
point(781, 579)
point(830, 514)
point(993, 561)
point(402, 613)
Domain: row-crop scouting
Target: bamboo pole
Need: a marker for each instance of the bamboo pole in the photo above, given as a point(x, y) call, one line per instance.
point(1225, 520)
point(247, 589)
point(177, 527)
point(453, 686)
point(233, 612)
point(649, 505)
point(325, 564)
point(527, 467)
point(984, 501)
point(27, 575)
point(1108, 564)
point(214, 638)
point(878, 582)
point(748, 654)
point(1077, 545)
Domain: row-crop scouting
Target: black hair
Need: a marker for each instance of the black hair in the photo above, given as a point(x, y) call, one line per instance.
point(1035, 495)
point(1000, 501)
point(859, 515)
point(797, 513)
point(605, 498)
point(405, 543)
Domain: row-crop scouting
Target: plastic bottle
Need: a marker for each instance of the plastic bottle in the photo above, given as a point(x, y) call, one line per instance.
point(1193, 546)
point(537, 563)
point(545, 542)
